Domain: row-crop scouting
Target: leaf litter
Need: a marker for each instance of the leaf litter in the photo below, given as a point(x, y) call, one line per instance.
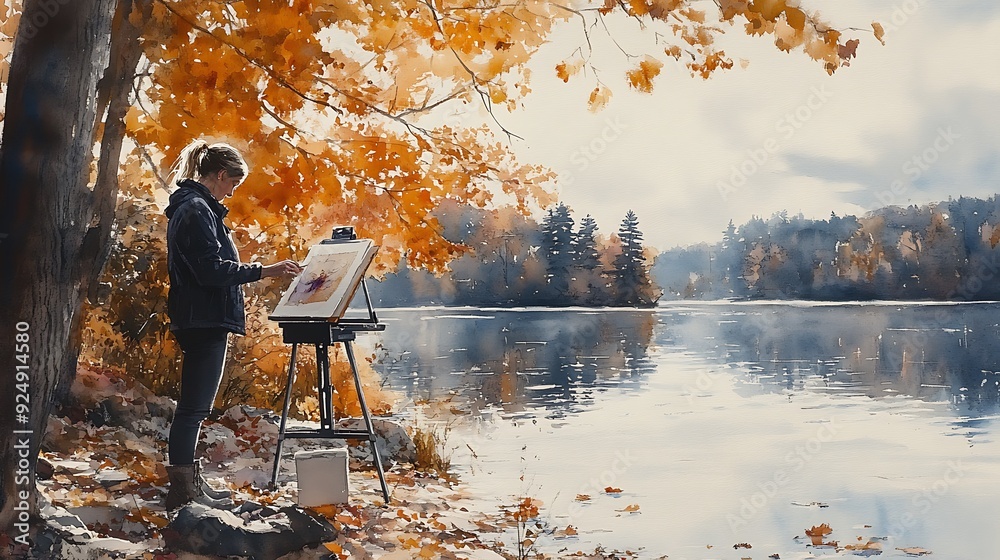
point(112, 476)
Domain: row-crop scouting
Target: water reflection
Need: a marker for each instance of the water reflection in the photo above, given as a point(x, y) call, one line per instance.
point(515, 360)
point(556, 359)
point(932, 352)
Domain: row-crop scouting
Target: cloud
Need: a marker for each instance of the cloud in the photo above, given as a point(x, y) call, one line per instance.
point(674, 147)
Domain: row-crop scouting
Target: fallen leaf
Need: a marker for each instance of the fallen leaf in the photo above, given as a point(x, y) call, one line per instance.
point(915, 551)
point(870, 545)
point(431, 550)
point(569, 531)
point(329, 511)
point(817, 532)
point(582, 497)
point(612, 490)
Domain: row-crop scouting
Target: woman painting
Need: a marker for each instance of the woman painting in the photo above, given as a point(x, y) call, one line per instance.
point(205, 302)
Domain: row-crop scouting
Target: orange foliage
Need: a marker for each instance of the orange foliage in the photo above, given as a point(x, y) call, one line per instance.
point(329, 100)
point(129, 328)
point(325, 100)
point(695, 29)
point(641, 78)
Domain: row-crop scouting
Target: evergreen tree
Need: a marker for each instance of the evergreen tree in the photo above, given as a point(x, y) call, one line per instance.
point(589, 283)
point(632, 283)
point(730, 261)
point(587, 256)
point(559, 252)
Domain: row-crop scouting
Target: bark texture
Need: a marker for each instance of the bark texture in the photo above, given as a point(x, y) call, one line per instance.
point(68, 89)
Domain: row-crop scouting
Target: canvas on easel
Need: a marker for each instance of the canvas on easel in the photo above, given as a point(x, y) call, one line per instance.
point(330, 276)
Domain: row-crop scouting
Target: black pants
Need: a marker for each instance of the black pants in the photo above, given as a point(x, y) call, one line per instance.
point(204, 352)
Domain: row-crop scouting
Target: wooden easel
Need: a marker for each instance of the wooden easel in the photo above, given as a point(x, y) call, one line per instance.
point(323, 334)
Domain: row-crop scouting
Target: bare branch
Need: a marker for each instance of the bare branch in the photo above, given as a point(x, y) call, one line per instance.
point(151, 163)
point(483, 96)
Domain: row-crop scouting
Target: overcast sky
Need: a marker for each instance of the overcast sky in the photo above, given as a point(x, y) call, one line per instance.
point(844, 143)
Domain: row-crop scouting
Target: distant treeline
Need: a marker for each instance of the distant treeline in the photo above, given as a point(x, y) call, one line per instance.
point(514, 260)
point(942, 251)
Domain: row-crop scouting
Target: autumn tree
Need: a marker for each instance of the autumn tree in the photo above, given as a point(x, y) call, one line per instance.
point(892, 253)
point(67, 90)
point(328, 100)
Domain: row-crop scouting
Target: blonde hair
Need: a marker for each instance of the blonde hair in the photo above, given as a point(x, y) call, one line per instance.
point(199, 159)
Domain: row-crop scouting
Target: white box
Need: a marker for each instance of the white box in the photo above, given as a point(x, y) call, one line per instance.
point(322, 477)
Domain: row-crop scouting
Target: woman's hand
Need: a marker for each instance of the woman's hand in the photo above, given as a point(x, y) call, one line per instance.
point(284, 269)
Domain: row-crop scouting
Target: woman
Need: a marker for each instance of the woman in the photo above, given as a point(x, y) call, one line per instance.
point(205, 302)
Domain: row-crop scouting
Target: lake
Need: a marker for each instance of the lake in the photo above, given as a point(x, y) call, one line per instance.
point(722, 424)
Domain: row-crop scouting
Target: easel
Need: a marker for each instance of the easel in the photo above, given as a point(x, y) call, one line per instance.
point(323, 334)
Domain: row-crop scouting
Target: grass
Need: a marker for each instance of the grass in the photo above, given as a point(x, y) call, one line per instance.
point(431, 445)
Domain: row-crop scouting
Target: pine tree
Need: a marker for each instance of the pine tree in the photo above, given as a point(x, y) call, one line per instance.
point(559, 251)
point(632, 283)
point(587, 256)
point(730, 261)
point(589, 284)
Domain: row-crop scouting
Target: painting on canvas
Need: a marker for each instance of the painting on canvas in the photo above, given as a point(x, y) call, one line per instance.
point(328, 280)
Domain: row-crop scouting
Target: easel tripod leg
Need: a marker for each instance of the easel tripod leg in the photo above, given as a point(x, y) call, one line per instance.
point(325, 387)
point(284, 416)
point(368, 421)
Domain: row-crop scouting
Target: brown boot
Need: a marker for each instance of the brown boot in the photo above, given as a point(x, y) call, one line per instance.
point(185, 487)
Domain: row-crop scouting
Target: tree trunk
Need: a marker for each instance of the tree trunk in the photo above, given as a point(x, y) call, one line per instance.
point(55, 228)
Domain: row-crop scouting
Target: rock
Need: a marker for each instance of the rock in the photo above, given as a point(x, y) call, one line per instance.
point(251, 476)
point(93, 549)
point(67, 526)
point(89, 515)
point(43, 469)
point(63, 535)
point(111, 400)
point(100, 548)
point(260, 533)
point(109, 477)
point(61, 437)
point(394, 444)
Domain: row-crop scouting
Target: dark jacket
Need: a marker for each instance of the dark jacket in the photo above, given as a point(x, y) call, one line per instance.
point(205, 270)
